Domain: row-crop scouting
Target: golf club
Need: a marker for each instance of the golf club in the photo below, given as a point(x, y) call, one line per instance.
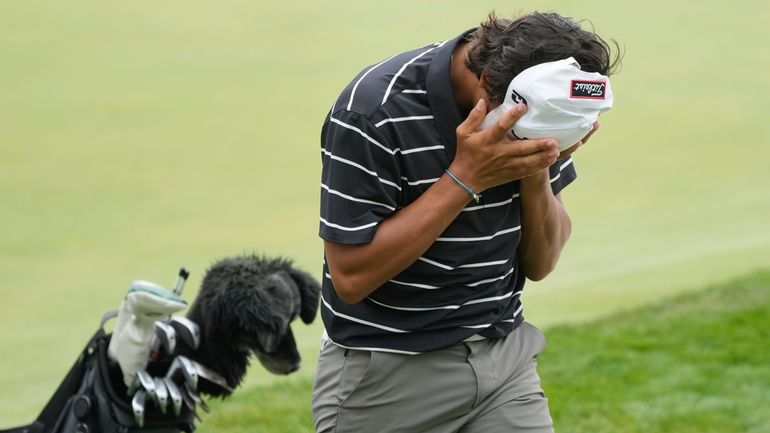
point(182, 369)
point(190, 403)
point(210, 377)
point(188, 331)
point(166, 334)
point(162, 392)
point(187, 399)
point(156, 342)
point(137, 405)
point(142, 380)
point(180, 280)
point(148, 384)
point(174, 394)
point(196, 398)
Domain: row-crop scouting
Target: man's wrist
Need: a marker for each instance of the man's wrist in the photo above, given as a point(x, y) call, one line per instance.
point(536, 182)
point(471, 192)
point(465, 176)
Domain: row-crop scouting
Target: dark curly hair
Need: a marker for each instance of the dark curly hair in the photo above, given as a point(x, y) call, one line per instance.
point(501, 48)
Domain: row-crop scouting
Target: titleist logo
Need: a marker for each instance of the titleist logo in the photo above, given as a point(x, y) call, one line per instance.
point(588, 89)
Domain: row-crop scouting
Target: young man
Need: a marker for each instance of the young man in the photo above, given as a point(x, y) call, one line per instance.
point(422, 276)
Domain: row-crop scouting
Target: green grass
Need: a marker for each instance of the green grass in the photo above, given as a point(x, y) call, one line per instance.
point(281, 407)
point(698, 363)
point(137, 137)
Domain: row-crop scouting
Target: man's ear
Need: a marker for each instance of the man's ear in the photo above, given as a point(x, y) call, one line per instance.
point(482, 93)
point(483, 82)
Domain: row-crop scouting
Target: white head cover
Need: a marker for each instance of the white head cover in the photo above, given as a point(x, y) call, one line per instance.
point(563, 102)
point(144, 303)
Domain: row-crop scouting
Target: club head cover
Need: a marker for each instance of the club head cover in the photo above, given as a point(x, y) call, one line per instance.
point(245, 305)
point(144, 304)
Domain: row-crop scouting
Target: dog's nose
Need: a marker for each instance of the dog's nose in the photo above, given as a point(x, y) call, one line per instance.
point(293, 368)
point(281, 367)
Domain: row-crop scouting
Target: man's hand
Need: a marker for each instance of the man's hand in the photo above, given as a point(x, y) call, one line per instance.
point(488, 158)
point(569, 151)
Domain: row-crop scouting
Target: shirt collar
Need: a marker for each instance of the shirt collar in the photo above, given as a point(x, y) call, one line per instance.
point(441, 96)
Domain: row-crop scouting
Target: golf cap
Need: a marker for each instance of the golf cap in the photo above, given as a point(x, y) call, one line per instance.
point(563, 102)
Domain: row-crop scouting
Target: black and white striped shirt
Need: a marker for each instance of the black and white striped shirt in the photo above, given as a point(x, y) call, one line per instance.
point(387, 139)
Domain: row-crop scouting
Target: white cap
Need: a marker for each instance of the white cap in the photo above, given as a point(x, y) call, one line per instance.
point(563, 102)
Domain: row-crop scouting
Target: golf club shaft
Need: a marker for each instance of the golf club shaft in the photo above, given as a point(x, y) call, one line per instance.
point(177, 290)
point(180, 280)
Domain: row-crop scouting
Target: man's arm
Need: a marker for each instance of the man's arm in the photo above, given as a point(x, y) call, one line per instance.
point(545, 226)
point(357, 270)
point(484, 159)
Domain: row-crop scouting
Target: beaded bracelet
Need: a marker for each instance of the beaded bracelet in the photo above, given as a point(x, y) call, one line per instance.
point(472, 193)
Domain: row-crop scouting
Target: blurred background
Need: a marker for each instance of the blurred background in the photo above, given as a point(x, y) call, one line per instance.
point(138, 137)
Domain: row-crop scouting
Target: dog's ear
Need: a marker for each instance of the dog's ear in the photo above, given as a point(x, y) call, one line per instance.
point(308, 288)
point(309, 292)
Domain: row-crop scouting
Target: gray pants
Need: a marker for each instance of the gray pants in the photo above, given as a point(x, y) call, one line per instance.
point(477, 386)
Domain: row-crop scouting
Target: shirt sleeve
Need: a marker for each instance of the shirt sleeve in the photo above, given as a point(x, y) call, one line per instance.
point(562, 174)
point(360, 179)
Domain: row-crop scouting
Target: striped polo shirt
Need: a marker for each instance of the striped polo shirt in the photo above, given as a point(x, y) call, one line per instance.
point(387, 139)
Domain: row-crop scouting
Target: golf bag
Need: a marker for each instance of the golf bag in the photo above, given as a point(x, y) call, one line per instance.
point(92, 398)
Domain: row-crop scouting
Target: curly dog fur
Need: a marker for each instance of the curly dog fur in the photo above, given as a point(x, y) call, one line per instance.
point(245, 305)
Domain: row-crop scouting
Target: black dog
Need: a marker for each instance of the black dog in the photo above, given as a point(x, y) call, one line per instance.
point(245, 305)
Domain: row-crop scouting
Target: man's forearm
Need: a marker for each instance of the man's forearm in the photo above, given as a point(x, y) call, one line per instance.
point(358, 270)
point(483, 159)
point(546, 226)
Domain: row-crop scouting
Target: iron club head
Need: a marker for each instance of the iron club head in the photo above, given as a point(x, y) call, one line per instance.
point(189, 402)
point(187, 331)
point(161, 390)
point(175, 395)
point(210, 377)
point(144, 381)
point(196, 398)
point(166, 334)
point(187, 399)
point(148, 384)
point(182, 369)
point(137, 405)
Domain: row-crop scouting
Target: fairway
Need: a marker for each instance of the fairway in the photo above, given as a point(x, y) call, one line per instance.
point(688, 364)
point(139, 137)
